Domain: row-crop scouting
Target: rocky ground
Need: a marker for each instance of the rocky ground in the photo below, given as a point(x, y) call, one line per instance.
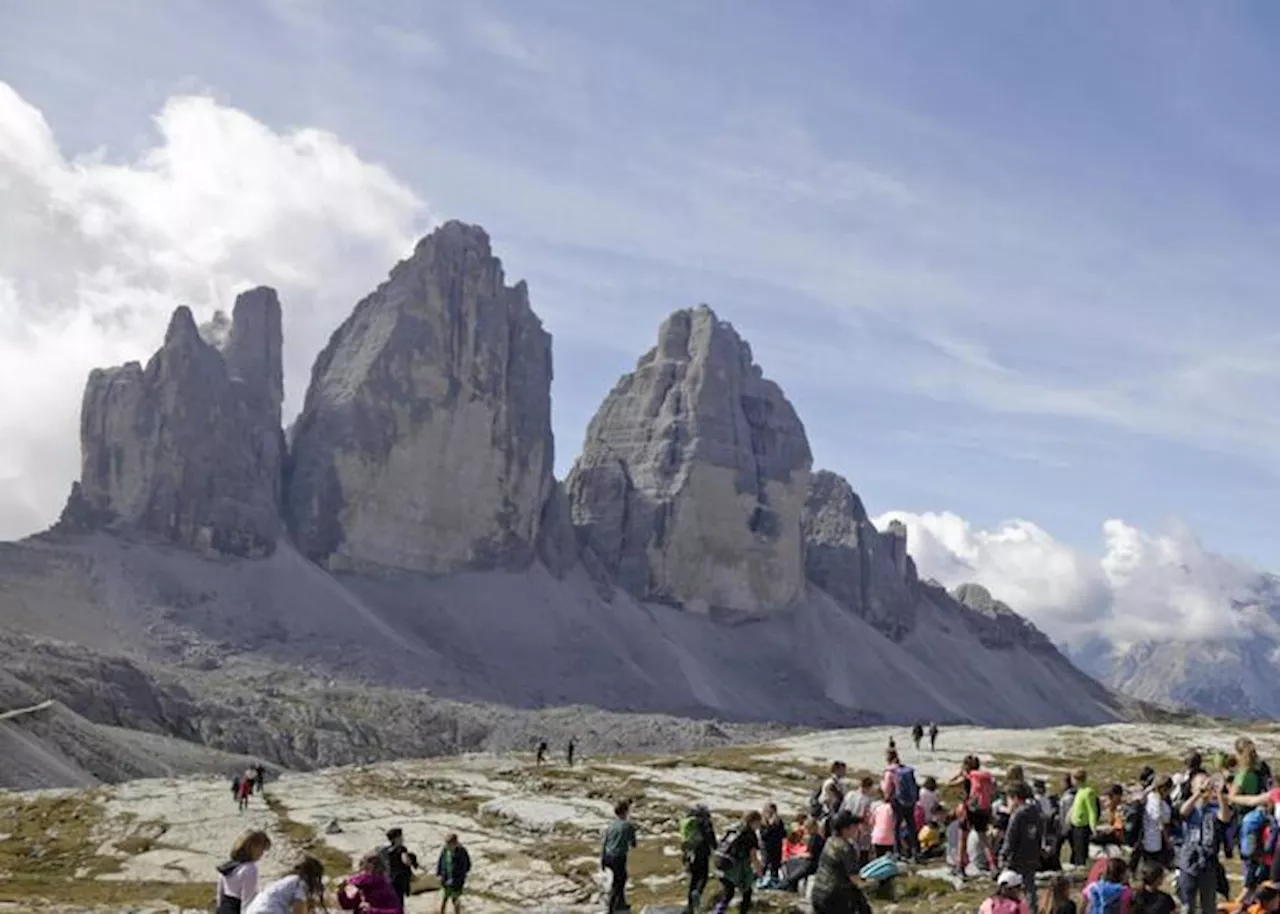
point(533, 832)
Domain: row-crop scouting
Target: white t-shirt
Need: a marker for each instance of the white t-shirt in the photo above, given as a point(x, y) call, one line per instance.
point(1156, 815)
point(928, 803)
point(242, 883)
point(278, 898)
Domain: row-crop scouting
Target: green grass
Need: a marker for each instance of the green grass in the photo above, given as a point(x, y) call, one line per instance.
point(306, 839)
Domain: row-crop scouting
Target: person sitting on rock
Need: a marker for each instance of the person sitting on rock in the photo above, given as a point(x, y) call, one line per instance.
point(453, 867)
point(370, 891)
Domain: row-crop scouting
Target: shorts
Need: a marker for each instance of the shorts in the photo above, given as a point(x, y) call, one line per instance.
point(451, 894)
point(979, 820)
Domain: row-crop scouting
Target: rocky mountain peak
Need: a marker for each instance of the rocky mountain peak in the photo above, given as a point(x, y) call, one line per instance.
point(188, 448)
point(692, 479)
point(425, 442)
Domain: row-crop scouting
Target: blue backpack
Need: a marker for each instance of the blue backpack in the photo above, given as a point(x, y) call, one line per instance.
point(906, 792)
point(1257, 835)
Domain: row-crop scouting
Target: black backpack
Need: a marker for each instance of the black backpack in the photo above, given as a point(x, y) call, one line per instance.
point(1134, 816)
point(728, 851)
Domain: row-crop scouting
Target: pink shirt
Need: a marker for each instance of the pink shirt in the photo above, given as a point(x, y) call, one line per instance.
point(882, 832)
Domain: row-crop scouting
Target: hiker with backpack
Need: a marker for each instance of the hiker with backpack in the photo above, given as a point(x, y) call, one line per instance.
point(835, 887)
point(1111, 894)
point(697, 843)
point(737, 860)
point(399, 861)
point(917, 734)
point(1022, 846)
point(900, 788)
point(1204, 824)
point(619, 839)
point(827, 800)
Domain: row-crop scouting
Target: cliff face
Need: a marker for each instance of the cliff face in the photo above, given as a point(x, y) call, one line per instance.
point(692, 480)
point(190, 446)
point(425, 440)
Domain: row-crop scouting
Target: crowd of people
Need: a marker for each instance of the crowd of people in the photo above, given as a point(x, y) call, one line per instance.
point(380, 885)
point(1160, 844)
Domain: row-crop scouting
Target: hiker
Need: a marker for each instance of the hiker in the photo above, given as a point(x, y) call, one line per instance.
point(1008, 896)
point(452, 868)
point(260, 777)
point(803, 865)
point(773, 833)
point(542, 753)
point(568, 753)
point(1058, 899)
point(917, 734)
point(300, 892)
point(893, 745)
point(1204, 823)
point(1154, 843)
point(1083, 818)
point(619, 839)
point(1065, 803)
point(830, 796)
point(975, 815)
point(698, 842)
point(901, 790)
point(1110, 829)
point(738, 862)
point(370, 891)
point(859, 804)
point(1022, 846)
point(400, 862)
point(1193, 765)
point(1151, 897)
point(884, 829)
point(933, 737)
point(835, 890)
point(238, 877)
point(245, 791)
point(235, 787)
point(1110, 894)
point(930, 801)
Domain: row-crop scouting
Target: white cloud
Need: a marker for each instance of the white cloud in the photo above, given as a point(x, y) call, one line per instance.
point(94, 255)
point(1143, 585)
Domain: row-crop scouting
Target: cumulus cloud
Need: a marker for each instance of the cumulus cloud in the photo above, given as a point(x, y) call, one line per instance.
point(95, 253)
point(1140, 586)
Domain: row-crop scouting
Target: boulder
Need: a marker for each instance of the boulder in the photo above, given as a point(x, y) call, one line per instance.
point(424, 443)
point(693, 477)
point(189, 447)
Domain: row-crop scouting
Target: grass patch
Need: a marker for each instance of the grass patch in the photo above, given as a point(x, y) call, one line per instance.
point(109, 894)
point(306, 839)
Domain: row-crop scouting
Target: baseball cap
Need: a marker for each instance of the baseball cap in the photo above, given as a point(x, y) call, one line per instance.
point(1009, 880)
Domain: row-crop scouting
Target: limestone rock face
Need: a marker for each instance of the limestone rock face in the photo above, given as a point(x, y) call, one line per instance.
point(693, 477)
point(425, 440)
point(190, 446)
point(865, 570)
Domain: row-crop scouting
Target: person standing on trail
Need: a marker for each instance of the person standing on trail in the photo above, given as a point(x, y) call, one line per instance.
point(238, 877)
point(452, 867)
point(260, 777)
point(901, 790)
point(542, 753)
point(246, 790)
point(933, 737)
point(738, 861)
point(773, 834)
point(400, 862)
point(569, 751)
point(619, 839)
point(1023, 839)
point(1086, 810)
point(697, 843)
point(1204, 826)
point(917, 734)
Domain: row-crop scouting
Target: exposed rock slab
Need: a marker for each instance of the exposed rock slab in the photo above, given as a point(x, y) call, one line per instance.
point(189, 447)
point(425, 440)
point(693, 477)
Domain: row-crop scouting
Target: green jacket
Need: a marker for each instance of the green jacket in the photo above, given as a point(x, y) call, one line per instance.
point(1084, 811)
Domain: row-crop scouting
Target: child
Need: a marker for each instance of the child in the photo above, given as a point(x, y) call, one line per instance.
point(1008, 897)
point(1110, 894)
point(238, 877)
point(452, 868)
point(1058, 899)
point(883, 830)
point(301, 890)
point(370, 891)
point(1151, 899)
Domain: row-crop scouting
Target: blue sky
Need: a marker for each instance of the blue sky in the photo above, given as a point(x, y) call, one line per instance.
point(1007, 259)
